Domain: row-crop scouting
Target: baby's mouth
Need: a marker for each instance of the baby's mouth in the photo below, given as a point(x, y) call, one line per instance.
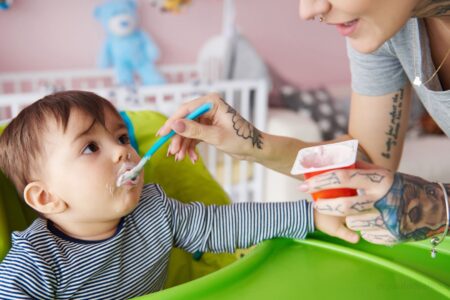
point(126, 167)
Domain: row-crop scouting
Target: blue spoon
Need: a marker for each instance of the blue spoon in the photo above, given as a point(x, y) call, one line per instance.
point(133, 173)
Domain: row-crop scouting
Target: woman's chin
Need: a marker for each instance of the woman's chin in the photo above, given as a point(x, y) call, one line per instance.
point(365, 45)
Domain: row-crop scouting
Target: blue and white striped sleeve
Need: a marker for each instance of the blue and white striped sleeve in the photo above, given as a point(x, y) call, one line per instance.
point(225, 228)
point(25, 275)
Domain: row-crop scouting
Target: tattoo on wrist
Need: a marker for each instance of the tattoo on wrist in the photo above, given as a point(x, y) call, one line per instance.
point(413, 208)
point(244, 128)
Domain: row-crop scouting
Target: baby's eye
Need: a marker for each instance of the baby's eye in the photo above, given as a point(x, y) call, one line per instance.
point(124, 139)
point(90, 148)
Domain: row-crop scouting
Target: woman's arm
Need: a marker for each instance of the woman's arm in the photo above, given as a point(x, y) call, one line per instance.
point(224, 128)
point(380, 124)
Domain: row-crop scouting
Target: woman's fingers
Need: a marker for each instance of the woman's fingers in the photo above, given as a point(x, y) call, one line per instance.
point(380, 237)
point(195, 130)
point(188, 107)
point(345, 206)
point(365, 222)
point(175, 144)
point(375, 182)
point(191, 152)
point(183, 149)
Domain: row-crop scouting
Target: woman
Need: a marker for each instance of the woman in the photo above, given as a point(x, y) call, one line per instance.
point(393, 46)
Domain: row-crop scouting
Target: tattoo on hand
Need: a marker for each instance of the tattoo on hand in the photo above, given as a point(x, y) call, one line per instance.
point(327, 180)
point(244, 129)
point(329, 208)
point(413, 208)
point(362, 206)
point(382, 238)
point(377, 222)
point(373, 177)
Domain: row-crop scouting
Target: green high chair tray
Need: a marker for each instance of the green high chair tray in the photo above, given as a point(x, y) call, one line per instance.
point(324, 268)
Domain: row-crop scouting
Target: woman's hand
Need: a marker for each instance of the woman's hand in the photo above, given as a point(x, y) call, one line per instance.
point(390, 208)
point(222, 127)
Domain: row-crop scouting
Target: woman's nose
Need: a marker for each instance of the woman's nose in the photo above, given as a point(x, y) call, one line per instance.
point(308, 9)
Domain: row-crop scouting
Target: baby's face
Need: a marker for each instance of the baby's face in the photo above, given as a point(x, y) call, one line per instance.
point(82, 166)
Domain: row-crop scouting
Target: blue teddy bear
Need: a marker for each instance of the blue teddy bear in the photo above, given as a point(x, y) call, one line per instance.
point(127, 48)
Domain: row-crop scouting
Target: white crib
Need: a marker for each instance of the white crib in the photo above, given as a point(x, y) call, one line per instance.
point(242, 180)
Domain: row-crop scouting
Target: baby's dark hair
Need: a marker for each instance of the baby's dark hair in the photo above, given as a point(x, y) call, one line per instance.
point(21, 142)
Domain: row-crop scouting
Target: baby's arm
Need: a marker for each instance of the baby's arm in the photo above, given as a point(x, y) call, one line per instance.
point(224, 228)
point(25, 276)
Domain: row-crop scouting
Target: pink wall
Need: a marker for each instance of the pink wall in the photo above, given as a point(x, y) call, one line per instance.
point(55, 34)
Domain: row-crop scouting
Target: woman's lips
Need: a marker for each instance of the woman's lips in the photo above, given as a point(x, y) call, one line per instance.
point(347, 28)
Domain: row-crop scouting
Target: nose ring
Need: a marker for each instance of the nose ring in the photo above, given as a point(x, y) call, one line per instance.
point(321, 18)
point(128, 155)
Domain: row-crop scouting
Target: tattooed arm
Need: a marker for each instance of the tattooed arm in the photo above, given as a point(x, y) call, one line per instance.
point(413, 209)
point(380, 123)
point(225, 128)
point(394, 207)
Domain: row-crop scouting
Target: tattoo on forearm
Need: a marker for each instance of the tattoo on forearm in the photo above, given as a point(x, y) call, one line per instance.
point(413, 208)
point(394, 126)
point(432, 8)
point(373, 177)
point(327, 180)
point(245, 129)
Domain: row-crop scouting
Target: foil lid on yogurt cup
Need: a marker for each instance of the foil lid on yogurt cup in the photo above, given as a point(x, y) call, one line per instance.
point(325, 157)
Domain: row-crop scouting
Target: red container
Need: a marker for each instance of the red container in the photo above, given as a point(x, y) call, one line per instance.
point(332, 193)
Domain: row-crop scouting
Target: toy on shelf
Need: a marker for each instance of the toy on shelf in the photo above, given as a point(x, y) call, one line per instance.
point(127, 48)
point(169, 5)
point(5, 4)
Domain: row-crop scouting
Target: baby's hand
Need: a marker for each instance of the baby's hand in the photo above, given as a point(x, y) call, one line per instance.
point(334, 226)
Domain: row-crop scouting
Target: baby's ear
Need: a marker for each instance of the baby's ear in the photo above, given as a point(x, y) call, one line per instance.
point(37, 197)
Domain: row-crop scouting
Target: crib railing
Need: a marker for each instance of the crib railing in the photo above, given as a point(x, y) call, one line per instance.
point(242, 180)
point(25, 82)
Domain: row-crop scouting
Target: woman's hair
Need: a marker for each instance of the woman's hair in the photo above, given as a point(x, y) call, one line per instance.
point(431, 8)
point(22, 140)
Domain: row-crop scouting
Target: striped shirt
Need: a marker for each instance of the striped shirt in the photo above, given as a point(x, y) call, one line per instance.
point(43, 263)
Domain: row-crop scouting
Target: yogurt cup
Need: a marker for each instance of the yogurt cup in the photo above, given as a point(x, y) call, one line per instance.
point(316, 160)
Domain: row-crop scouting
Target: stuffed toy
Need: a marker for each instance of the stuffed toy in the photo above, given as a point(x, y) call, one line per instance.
point(5, 4)
point(127, 48)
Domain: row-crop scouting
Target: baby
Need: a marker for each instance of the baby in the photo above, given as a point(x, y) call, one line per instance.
point(94, 240)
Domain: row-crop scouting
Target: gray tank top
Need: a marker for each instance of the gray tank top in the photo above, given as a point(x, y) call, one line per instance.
point(402, 58)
